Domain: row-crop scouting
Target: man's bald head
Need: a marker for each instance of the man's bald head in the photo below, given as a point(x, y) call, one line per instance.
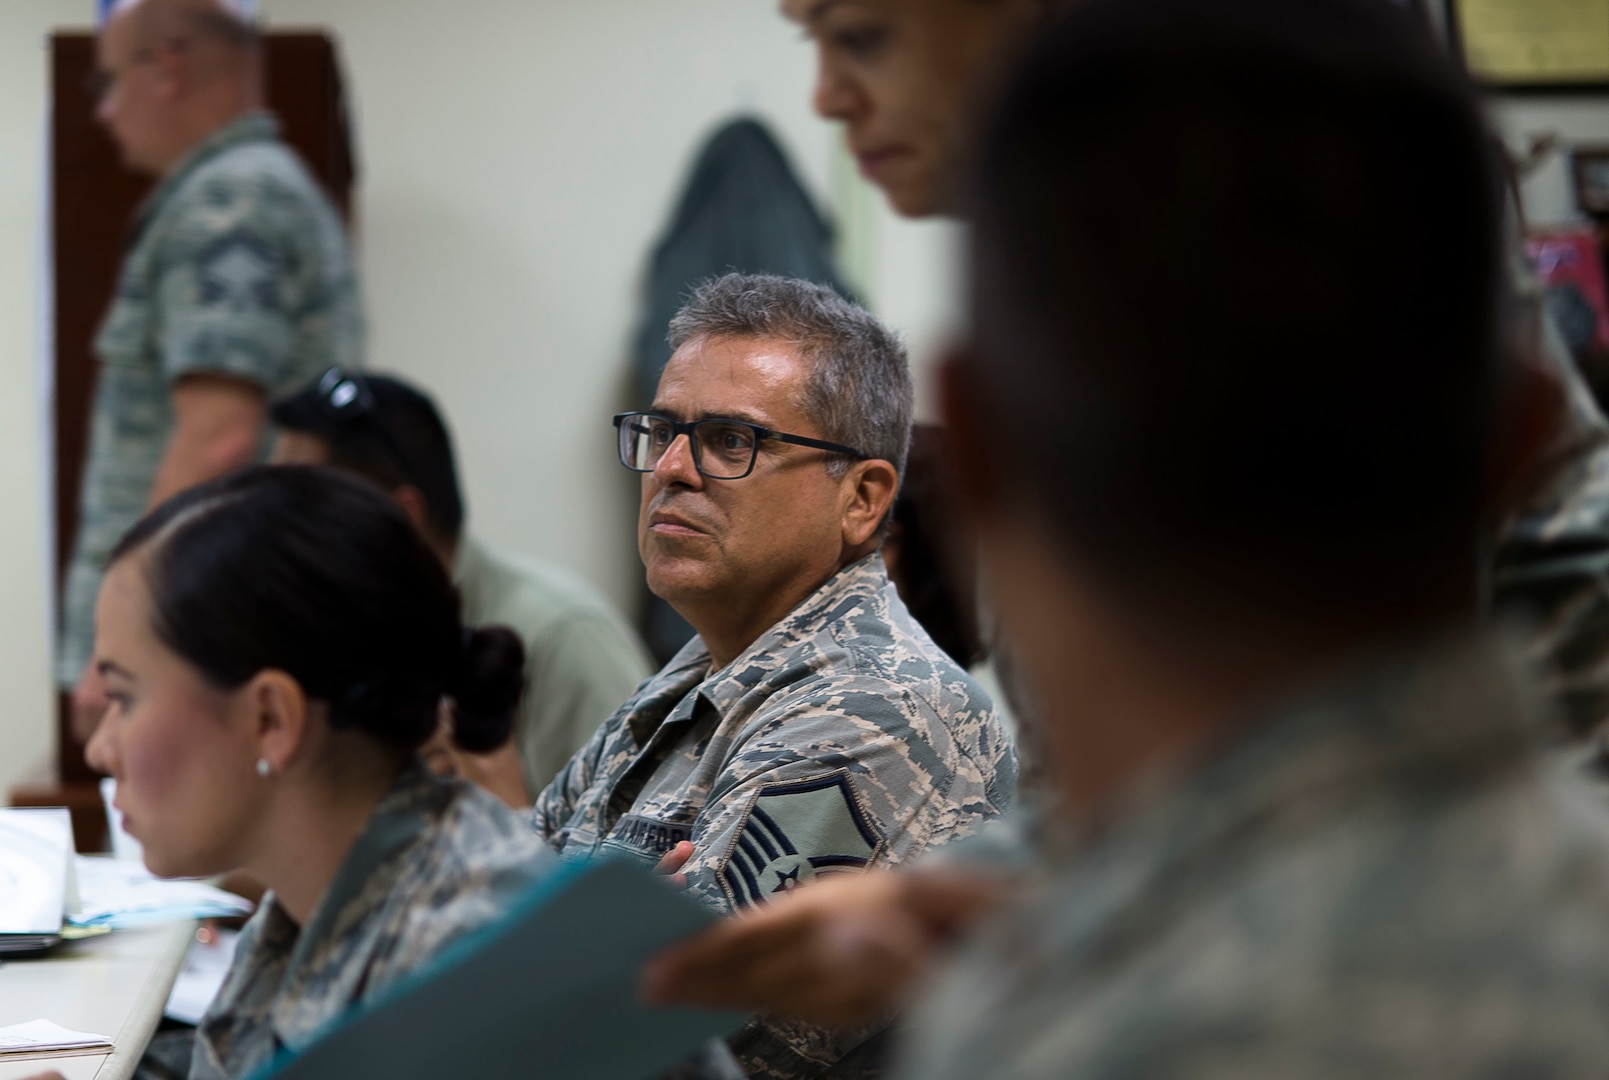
point(204, 22)
point(176, 71)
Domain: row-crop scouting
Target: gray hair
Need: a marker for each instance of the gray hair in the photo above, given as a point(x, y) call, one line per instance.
point(859, 387)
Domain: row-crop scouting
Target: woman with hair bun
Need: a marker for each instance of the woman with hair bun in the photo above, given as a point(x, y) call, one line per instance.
point(275, 646)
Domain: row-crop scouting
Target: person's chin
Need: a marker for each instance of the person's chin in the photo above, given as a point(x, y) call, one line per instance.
point(133, 163)
point(913, 188)
point(162, 864)
point(671, 578)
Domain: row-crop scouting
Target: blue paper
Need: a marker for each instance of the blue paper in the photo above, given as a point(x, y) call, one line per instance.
point(550, 993)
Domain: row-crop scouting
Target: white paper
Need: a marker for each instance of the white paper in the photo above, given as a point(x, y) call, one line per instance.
point(121, 894)
point(205, 966)
point(42, 1036)
point(35, 848)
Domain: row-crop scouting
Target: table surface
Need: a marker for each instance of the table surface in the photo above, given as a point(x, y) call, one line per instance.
point(114, 985)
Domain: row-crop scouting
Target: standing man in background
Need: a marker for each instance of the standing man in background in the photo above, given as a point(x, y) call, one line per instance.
point(581, 659)
point(237, 284)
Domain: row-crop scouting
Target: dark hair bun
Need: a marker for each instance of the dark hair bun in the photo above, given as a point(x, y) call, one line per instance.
point(488, 688)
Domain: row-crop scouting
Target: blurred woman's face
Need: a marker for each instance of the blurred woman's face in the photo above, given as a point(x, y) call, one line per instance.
point(901, 76)
point(183, 752)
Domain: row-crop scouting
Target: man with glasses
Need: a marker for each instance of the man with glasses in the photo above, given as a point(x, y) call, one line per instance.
point(812, 726)
point(581, 659)
point(237, 284)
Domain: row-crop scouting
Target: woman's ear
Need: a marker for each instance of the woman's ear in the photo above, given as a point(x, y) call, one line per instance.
point(413, 504)
point(276, 710)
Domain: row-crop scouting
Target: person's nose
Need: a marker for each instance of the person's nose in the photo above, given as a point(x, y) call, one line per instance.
point(102, 751)
point(676, 465)
point(104, 109)
point(836, 96)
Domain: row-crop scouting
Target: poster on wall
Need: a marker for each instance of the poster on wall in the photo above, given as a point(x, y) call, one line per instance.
point(1536, 45)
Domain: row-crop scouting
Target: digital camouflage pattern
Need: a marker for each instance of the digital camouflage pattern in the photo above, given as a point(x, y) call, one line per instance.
point(842, 738)
point(1551, 560)
point(238, 266)
point(439, 860)
point(1382, 881)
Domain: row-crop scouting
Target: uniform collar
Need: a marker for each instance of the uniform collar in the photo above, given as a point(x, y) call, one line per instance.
point(397, 823)
point(860, 584)
point(250, 127)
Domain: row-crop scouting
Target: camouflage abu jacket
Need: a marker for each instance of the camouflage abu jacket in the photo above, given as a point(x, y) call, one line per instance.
point(1551, 557)
point(1381, 881)
point(238, 265)
point(842, 738)
point(438, 860)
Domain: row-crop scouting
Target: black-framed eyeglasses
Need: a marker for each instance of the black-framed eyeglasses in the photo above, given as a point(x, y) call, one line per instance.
point(722, 449)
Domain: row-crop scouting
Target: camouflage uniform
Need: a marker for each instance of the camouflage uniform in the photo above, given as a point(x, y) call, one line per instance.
point(1379, 881)
point(1552, 556)
point(843, 737)
point(238, 266)
point(438, 860)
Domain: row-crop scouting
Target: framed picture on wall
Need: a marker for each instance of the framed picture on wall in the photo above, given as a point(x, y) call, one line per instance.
point(1569, 262)
point(1589, 167)
point(1533, 46)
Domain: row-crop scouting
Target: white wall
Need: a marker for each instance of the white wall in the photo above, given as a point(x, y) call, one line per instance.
point(518, 161)
point(26, 698)
point(1549, 197)
point(519, 158)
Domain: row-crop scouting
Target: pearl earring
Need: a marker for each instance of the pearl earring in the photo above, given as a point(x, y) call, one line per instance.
point(263, 768)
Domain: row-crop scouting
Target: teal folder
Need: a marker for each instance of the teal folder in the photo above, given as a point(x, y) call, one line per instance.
point(548, 994)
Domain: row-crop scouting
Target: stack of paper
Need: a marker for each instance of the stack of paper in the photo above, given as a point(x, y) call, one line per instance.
point(41, 1038)
point(206, 966)
point(118, 894)
point(35, 859)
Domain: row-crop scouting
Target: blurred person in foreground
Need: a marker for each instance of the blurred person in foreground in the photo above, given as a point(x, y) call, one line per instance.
point(237, 284)
point(275, 645)
point(581, 659)
point(812, 727)
point(929, 559)
point(906, 79)
point(1306, 828)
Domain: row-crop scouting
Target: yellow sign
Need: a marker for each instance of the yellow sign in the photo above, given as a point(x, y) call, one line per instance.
point(1535, 41)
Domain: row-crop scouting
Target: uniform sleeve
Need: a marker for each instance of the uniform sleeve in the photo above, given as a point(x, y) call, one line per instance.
point(580, 673)
point(857, 775)
point(1552, 563)
point(1551, 559)
point(861, 775)
point(229, 285)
